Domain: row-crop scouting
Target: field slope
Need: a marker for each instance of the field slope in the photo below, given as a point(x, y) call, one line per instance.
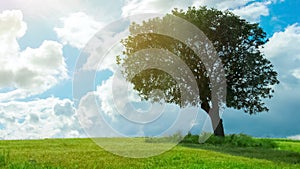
point(84, 153)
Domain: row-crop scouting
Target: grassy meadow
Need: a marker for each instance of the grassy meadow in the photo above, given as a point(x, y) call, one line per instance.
point(235, 151)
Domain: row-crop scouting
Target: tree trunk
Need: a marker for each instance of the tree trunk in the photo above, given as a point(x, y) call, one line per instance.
point(217, 122)
point(219, 129)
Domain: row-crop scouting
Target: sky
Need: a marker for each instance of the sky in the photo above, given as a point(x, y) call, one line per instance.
point(58, 78)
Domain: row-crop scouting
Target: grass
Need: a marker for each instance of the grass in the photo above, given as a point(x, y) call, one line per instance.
point(288, 145)
point(84, 153)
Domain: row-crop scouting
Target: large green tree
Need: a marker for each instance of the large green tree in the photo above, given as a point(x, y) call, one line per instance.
point(249, 75)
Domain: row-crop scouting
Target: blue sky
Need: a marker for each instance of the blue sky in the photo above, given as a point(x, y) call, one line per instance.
point(43, 43)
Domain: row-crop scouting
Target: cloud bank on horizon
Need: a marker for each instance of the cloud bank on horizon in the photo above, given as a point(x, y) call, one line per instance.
point(33, 76)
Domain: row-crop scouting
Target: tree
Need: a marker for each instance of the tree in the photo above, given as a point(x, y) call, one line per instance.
point(249, 75)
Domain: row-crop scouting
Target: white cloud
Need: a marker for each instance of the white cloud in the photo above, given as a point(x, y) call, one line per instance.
point(253, 11)
point(296, 137)
point(284, 51)
point(296, 73)
point(284, 43)
point(77, 35)
point(102, 50)
point(31, 71)
point(43, 118)
point(222, 4)
point(133, 7)
point(50, 10)
point(12, 28)
point(115, 109)
point(78, 28)
point(115, 93)
point(99, 111)
point(47, 9)
point(247, 9)
point(91, 119)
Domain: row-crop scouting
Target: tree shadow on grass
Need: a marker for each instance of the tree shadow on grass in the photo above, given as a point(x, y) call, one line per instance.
point(271, 154)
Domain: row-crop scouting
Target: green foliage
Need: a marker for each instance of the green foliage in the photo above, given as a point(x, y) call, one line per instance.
point(249, 74)
point(194, 139)
point(175, 138)
point(243, 140)
point(233, 140)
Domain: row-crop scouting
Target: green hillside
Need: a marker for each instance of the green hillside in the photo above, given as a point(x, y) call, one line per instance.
point(84, 153)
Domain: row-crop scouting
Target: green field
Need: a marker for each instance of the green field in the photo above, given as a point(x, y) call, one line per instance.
point(84, 153)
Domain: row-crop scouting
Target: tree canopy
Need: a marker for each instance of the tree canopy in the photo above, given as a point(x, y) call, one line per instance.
point(250, 77)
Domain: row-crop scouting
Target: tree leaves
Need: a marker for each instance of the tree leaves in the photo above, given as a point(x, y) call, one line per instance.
point(249, 75)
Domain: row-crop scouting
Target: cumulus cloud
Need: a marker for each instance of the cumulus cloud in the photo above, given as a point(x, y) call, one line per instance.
point(296, 73)
point(51, 10)
point(42, 118)
point(13, 27)
point(101, 51)
point(253, 11)
point(78, 28)
point(77, 35)
point(221, 4)
point(115, 109)
point(296, 137)
point(31, 71)
point(247, 9)
point(133, 7)
point(99, 111)
point(283, 50)
point(46, 9)
point(91, 120)
point(287, 40)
